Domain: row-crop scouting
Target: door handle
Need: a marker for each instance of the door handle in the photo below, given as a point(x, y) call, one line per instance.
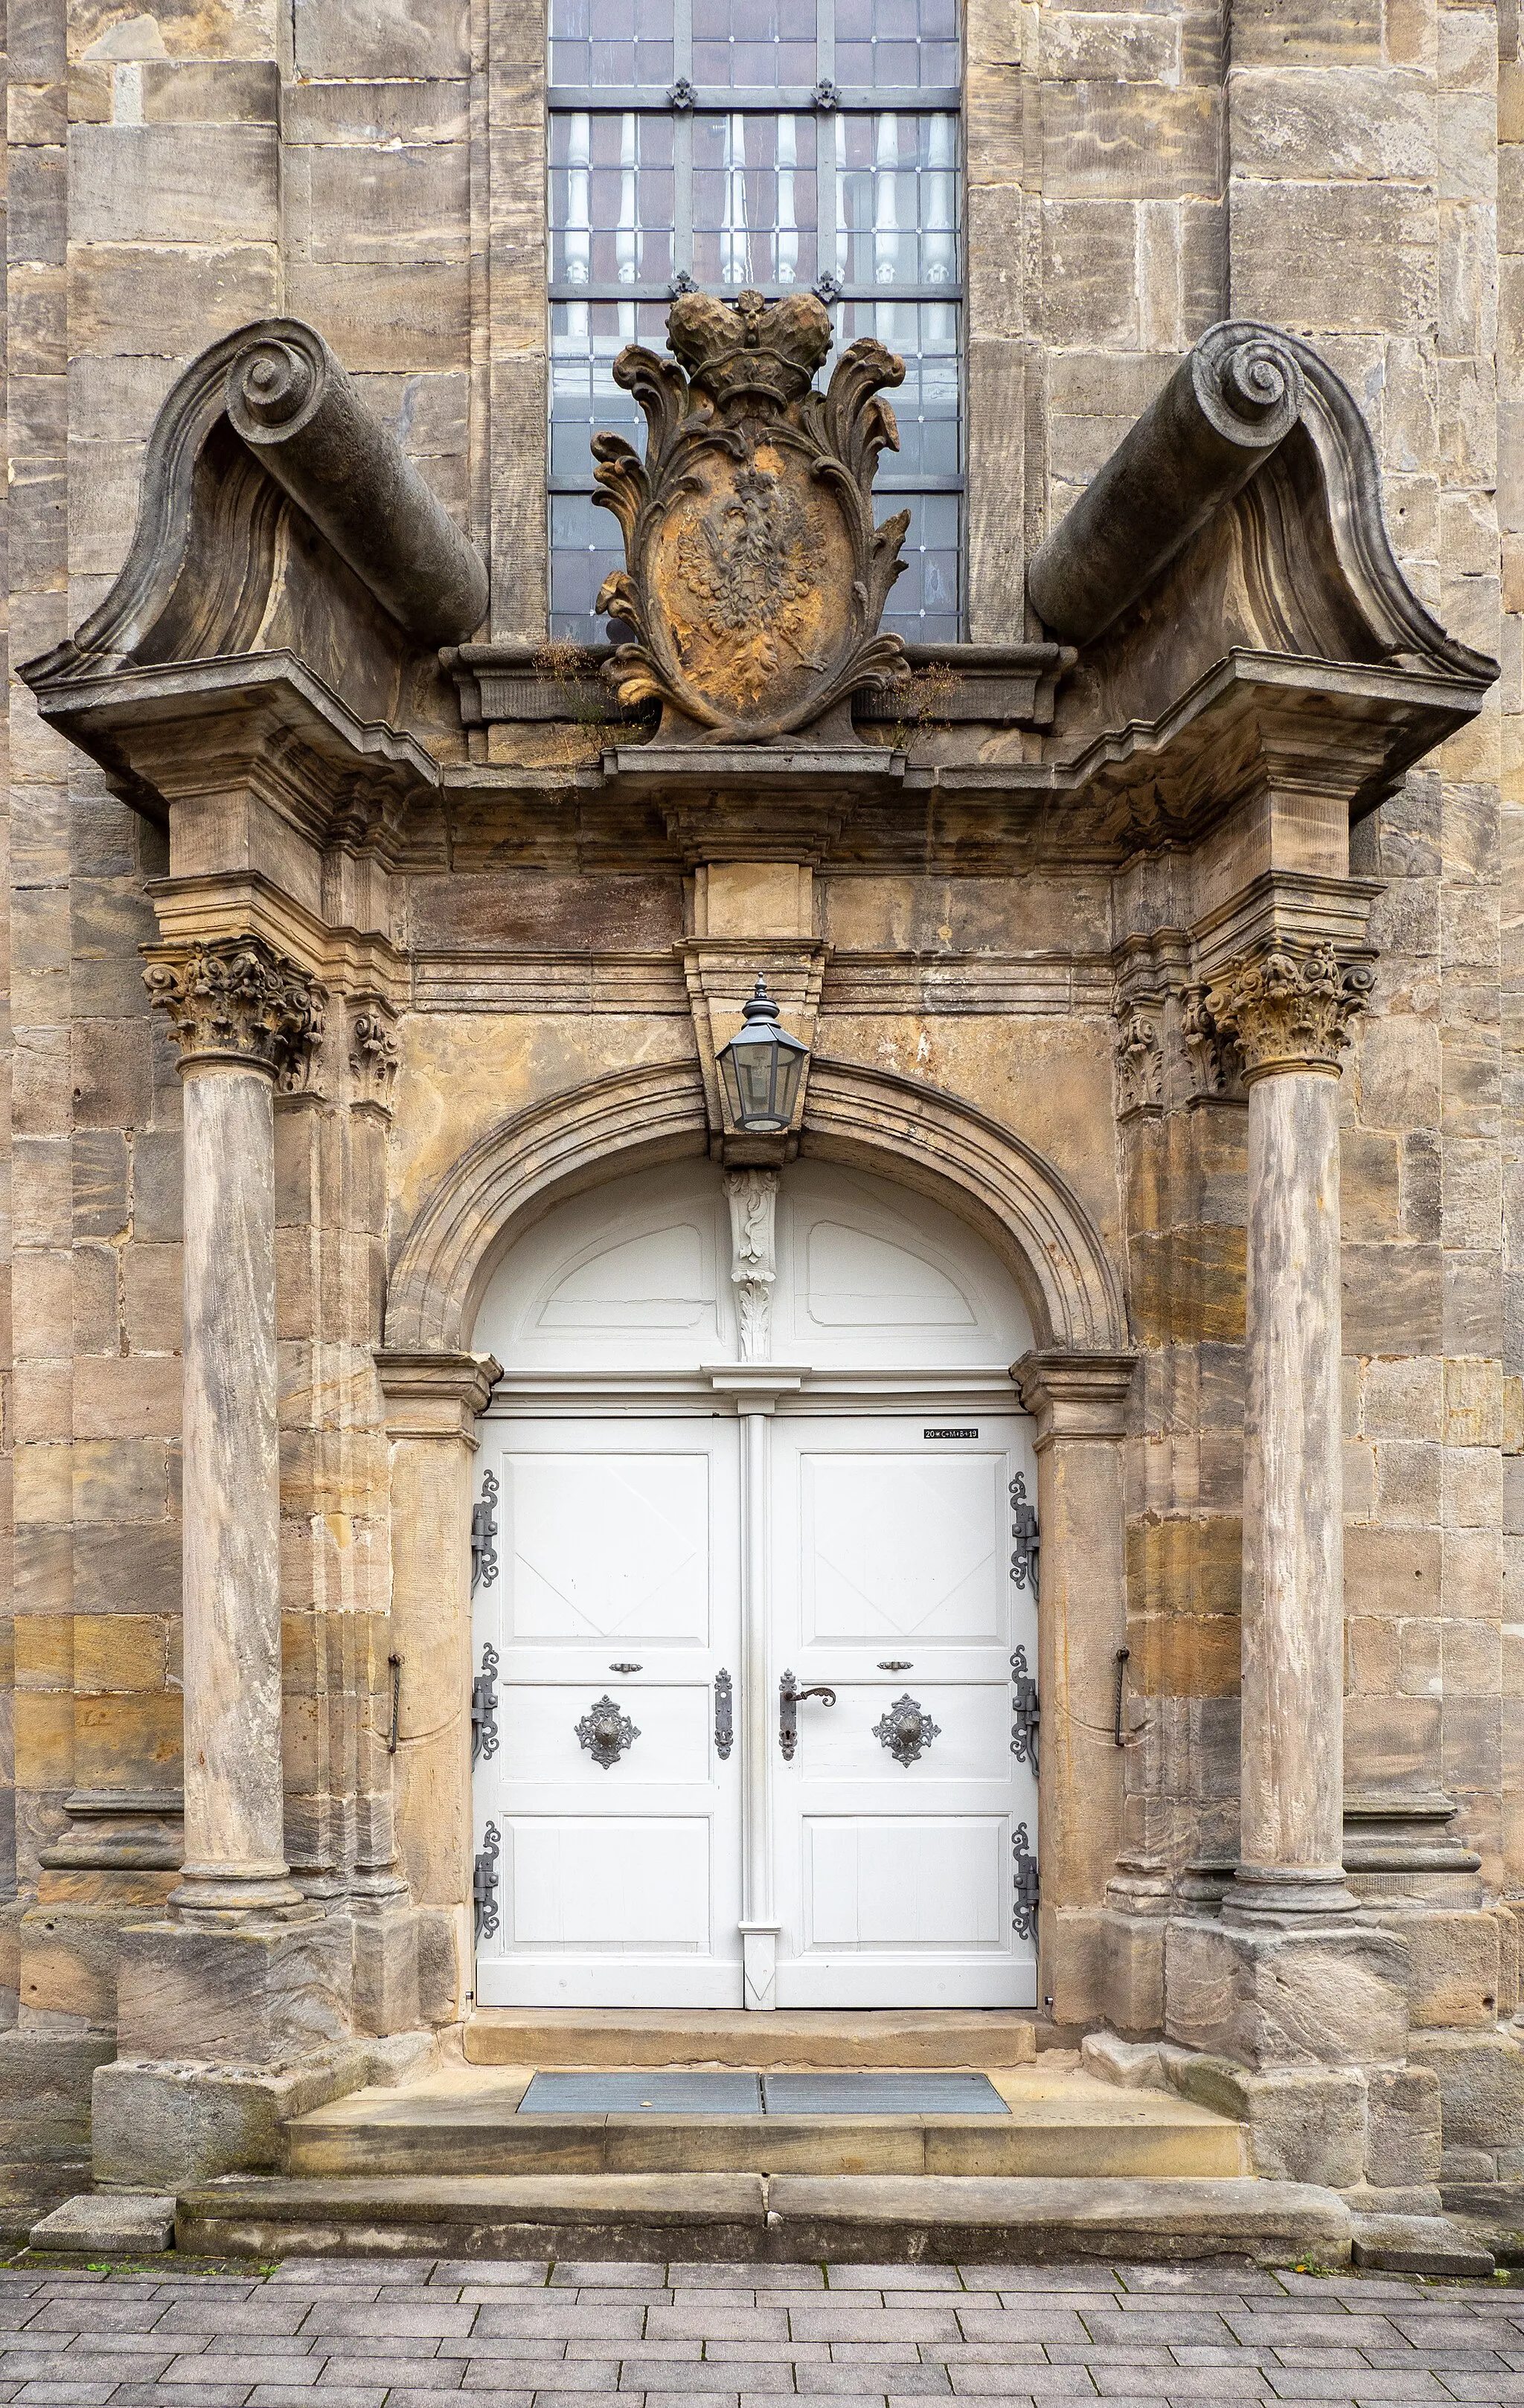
point(789, 1699)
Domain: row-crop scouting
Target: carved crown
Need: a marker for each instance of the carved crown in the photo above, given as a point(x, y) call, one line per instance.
point(749, 345)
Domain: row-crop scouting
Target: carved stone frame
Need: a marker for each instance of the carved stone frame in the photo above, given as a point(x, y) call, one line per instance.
point(1075, 1382)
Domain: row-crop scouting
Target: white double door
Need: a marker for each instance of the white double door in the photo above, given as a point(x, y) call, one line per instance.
point(646, 1797)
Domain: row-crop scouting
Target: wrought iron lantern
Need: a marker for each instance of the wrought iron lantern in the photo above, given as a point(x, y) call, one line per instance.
point(761, 1067)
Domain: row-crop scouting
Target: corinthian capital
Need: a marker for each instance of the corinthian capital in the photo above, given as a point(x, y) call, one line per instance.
point(237, 1000)
point(1289, 1008)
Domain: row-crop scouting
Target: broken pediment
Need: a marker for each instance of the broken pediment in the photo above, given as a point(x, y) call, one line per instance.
point(1229, 582)
point(278, 521)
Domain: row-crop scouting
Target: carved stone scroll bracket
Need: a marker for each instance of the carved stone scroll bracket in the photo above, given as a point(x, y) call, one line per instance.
point(722, 973)
point(1289, 1008)
point(753, 1198)
point(374, 1054)
point(1212, 1057)
point(238, 1001)
point(1139, 1050)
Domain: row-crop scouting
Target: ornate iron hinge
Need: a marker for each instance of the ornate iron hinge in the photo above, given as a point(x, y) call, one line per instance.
point(1026, 1542)
point(1026, 1710)
point(484, 1705)
point(725, 1728)
point(483, 1531)
point(1024, 1918)
point(485, 1882)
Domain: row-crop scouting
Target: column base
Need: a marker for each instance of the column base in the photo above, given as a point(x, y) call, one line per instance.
point(1293, 1899)
point(1268, 1995)
point(245, 1994)
point(216, 1895)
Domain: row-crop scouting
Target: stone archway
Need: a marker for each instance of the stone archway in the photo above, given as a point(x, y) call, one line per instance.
point(917, 1134)
point(1075, 1381)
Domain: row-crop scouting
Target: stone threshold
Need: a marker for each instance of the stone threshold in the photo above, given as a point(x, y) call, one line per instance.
point(810, 2037)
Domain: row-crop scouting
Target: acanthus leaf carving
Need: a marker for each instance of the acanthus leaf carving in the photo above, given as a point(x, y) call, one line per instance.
point(753, 1198)
point(375, 1057)
point(238, 1001)
point(1289, 1007)
point(1140, 1058)
point(1211, 1054)
point(754, 575)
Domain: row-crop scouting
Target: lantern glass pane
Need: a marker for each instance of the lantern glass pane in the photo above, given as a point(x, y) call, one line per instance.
point(790, 1066)
point(758, 1064)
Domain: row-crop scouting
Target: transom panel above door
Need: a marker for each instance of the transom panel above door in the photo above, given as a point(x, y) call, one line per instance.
point(613, 1789)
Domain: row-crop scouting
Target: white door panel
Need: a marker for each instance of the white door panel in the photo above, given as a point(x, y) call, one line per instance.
point(899, 1882)
point(639, 1884)
point(891, 1580)
point(619, 1881)
point(894, 1546)
point(606, 1542)
point(672, 1744)
point(973, 1726)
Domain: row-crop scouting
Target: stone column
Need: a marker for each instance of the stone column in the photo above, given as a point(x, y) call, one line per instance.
point(1287, 1013)
point(1288, 1974)
point(244, 1016)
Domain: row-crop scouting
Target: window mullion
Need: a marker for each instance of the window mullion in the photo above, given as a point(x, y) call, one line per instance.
point(682, 192)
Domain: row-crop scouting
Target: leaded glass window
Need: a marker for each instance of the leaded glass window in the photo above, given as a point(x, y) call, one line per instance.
point(774, 143)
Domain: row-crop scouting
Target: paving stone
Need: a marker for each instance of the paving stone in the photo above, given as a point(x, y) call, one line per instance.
point(616, 2273)
point(501, 2273)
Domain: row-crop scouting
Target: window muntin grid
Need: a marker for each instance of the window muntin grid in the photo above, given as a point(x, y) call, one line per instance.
point(727, 183)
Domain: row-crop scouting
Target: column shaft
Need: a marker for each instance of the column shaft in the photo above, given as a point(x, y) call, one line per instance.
point(1292, 1643)
point(234, 1838)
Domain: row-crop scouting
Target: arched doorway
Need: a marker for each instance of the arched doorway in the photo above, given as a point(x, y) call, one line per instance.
point(679, 1531)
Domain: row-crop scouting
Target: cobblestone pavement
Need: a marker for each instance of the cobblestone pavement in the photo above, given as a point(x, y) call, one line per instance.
point(357, 2334)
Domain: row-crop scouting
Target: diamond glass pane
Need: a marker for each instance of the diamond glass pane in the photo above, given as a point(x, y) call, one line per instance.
point(610, 42)
point(909, 43)
point(753, 43)
point(897, 198)
point(753, 202)
point(612, 193)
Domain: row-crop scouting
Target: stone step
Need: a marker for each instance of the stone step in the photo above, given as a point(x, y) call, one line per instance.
point(787, 2218)
point(1061, 2121)
point(572, 2036)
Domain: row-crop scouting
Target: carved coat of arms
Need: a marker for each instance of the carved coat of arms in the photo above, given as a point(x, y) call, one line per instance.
point(755, 576)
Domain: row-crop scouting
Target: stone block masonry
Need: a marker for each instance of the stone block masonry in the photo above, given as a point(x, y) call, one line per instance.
point(236, 1478)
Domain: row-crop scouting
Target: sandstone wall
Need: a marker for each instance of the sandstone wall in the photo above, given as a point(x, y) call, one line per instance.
point(1349, 171)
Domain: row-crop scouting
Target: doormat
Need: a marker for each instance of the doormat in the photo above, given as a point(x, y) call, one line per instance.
point(676, 2092)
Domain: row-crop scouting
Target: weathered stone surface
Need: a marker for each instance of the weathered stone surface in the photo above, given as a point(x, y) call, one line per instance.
point(1402, 2125)
point(1338, 1997)
point(123, 2221)
point(181, 2122)
point(251, 1996)
point(1418, 2244)
point(1481, 2084)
